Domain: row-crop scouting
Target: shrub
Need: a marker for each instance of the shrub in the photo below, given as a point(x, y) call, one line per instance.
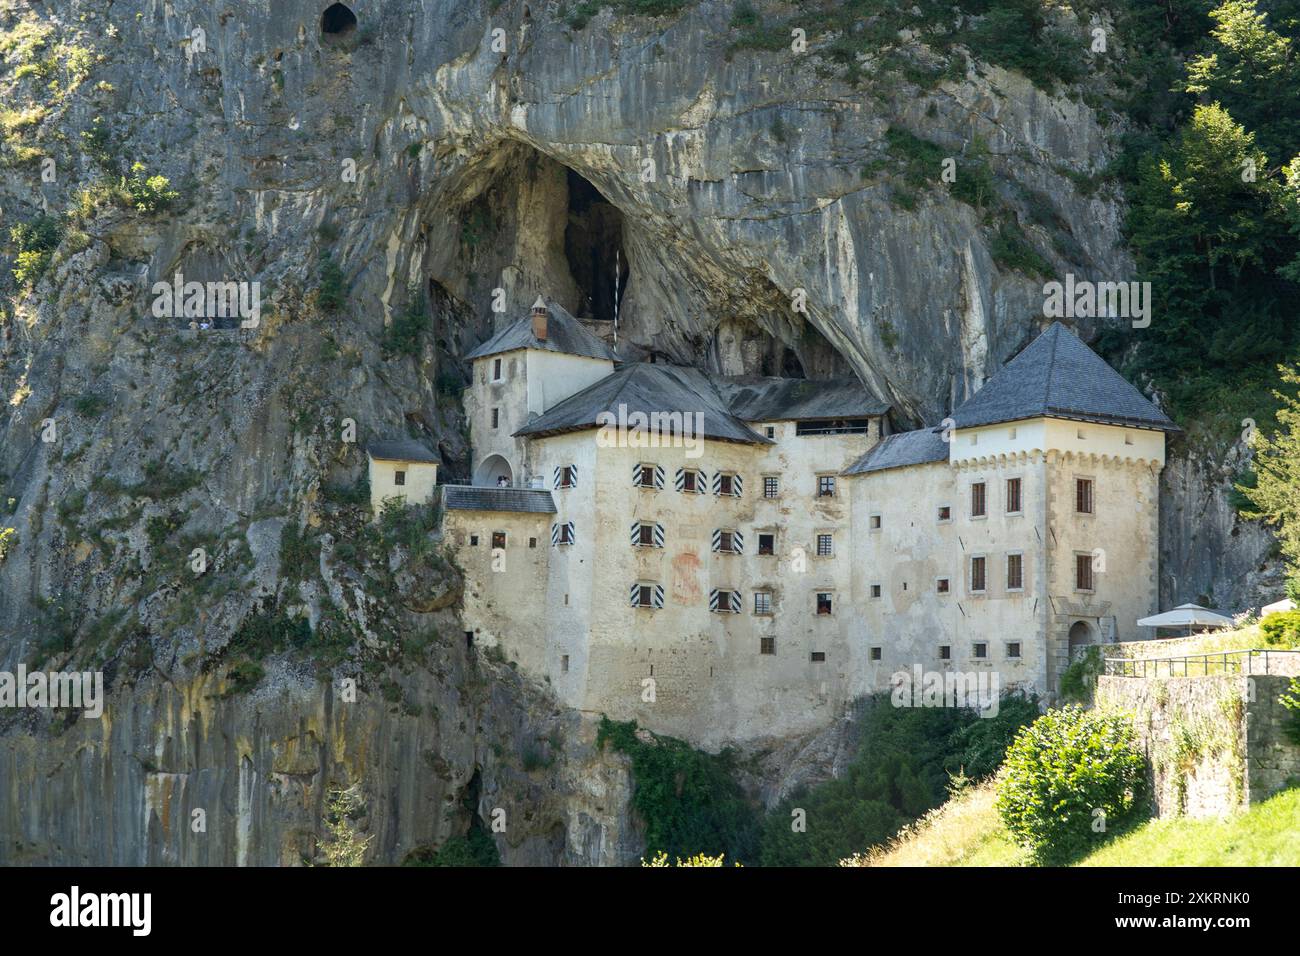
point(1069, 778)
point(147, 193)
point(1290, 700)
point(331, 292)
point(35, 242)
point(403, 335)
point(1080, 677)
point(476, 849)
point(1281, 629)
point(8, 541)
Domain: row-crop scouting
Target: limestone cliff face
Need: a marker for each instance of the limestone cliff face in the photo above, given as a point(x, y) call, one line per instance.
point(440, 152)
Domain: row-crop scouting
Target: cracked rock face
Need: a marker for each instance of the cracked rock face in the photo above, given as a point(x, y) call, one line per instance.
point(476, 157)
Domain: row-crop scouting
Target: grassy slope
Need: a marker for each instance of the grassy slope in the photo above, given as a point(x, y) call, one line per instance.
point(967, 832)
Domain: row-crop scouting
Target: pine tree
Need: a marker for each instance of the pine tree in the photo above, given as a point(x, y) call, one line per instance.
point(1274, 495)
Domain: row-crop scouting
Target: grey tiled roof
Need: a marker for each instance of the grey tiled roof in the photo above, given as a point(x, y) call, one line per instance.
point(648, 388)
point(564, 334)
point(407, 449)
point(796, 399)
point(1057, 376)
point(474, 498)
point(901, 449)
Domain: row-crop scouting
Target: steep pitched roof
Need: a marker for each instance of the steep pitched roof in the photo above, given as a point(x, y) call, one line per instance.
point(473, 498)
point(650, 389)
point(564, 334)
point(407, 449)
point(901, 449)
point(1057, 376)
point(796, 399)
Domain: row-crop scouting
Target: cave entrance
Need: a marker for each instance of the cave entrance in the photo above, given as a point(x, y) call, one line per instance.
point(337, 20)
point(593, 244)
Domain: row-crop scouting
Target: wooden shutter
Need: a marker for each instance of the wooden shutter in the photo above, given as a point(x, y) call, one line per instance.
point(737, 486)
point(658, 595)
point(737, 542)
point(555, 535)
point(679, 480)
point(636, 533)
point(659, 535)
point(717, 539)
point(659, 477)
point(635, 593)
point(714, 596)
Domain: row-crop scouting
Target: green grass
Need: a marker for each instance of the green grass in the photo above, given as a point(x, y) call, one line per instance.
point(967, 831)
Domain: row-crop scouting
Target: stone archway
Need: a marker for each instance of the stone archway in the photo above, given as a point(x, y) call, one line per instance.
point(491, 470)
point(1081, 635)
point(337, 20)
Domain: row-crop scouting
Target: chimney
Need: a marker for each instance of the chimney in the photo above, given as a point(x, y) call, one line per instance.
point(539, 320)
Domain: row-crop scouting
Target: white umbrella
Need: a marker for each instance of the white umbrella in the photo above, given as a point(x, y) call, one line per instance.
point(1188, 616)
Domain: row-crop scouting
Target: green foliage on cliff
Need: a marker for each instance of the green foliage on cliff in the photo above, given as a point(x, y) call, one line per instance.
point(1271, 492)
point(907, 759)
point(689, 800)
point(34, 243)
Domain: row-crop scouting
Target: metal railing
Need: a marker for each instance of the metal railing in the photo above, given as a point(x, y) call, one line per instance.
point(1203, 665)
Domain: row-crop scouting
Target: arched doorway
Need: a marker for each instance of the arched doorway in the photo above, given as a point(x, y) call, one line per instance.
point(491, 470)
point(1081, 635)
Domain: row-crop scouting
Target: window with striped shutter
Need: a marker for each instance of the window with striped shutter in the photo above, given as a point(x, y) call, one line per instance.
point(648, 476)
point(647, 534)
point(722, 601)
point(566, 476)
point(727, 541)
point(727, 484)
point(562, 534)
point(647, 595)
point(689, 481)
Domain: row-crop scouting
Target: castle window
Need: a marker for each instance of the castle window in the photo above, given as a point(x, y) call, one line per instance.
point(647, 534)
point(769, 431)
point(498, 540)
point(532, 542)
point(399, 477)
point(1013, 496)
point(767, 645)
point(977, 574)
point(562, 534)
point(762, 602)
point(875, 590)
point(945, 513)
point(1083, 572)
point(876, 653)
point(496, 417)
point(648, 476)
point(564, 664)
point(825, 545)
point(1013, 650)
point(1015, 572)
point(728, 542)
point(722, 601)
point(771, 486)
point(941, 585)
point(496, 370)
point(981, 650)
point(873, 522)
point(767, 543)
point(817, 657)
point(824, 602)
point(1083, 496)
point(689, 481)
point(977, 500)
point(825, 486)
point(945, 652)
point(647, 596)
point(566, 476)
point(728, 485)
point(473, 541)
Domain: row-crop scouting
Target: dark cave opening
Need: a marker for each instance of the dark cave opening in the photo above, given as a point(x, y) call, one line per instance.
point(337, 20)
point(593, 244)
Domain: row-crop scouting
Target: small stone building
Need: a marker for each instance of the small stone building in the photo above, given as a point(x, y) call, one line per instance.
point(403, 469)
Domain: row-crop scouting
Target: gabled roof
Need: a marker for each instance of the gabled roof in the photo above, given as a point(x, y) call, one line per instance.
point(650, 389)
point(901, 449)
point(564, 334)
point(796, 399)
point(1057, 376)
point(474, 498)
point(407, 449)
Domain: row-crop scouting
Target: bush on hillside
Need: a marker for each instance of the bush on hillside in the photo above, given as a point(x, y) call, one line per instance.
point(1070, 778)
point(1281, 629)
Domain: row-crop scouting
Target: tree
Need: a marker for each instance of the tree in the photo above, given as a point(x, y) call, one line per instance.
point(344, 845)
point(1273, 492)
